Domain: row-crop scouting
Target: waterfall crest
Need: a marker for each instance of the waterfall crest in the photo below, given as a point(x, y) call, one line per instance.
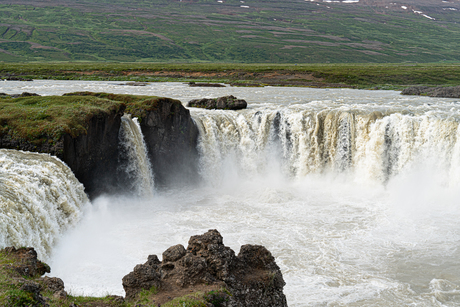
point(370, 143)
point(39, 199)
point(134, 161)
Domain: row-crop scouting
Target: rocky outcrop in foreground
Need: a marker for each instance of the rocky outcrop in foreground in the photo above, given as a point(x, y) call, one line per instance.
point(206, 274)
point(252, 278)
point(441, 92)
point(223, 103)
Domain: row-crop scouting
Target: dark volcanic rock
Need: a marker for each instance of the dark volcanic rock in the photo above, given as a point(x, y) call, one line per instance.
point(252, 278)
point(171, 136)
point(28, 264)
point(441, 92)
point(12, 78)
point(53, 284)
point(223, 103)
point(24, 94)
point(193, 84)
point(169, 132)
point(135, 83)
point(93, 157)
point(35, 291)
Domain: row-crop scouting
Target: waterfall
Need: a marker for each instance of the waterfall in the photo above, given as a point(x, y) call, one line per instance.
point(134, 161)
point(370, 143)
point(39, 199)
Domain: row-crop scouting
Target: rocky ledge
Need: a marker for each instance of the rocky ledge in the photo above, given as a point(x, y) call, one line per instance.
point(250, 279)
point(223, 103)
point(206, 274)
point(441, 92)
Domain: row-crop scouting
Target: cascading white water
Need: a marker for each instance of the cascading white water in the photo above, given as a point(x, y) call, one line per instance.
point(371, 143)
point(135, 163)
point(354, 192)
point(40, 198)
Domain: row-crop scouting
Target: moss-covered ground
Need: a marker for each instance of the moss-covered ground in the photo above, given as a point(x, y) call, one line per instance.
point(40, 119)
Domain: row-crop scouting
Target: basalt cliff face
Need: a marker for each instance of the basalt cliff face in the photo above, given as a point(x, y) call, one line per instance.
point(93, 152)
point(171, 137)
point(93, 157)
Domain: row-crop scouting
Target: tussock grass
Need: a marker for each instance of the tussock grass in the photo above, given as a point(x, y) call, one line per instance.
point(46, 118)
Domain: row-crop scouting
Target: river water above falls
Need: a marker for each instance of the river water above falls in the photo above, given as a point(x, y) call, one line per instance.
point(356, 194)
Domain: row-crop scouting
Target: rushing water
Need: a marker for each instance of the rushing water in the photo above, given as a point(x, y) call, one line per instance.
point(356, 194)
point(40, 198)
point(134, 160)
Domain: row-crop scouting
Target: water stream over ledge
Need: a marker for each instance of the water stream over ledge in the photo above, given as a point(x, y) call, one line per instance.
point(356, 194)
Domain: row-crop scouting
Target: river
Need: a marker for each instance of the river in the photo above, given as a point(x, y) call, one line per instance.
point(355, 192)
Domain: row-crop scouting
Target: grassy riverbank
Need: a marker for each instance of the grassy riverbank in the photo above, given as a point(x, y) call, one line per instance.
point(45, 119)
point(39, 119)
point(382, 76)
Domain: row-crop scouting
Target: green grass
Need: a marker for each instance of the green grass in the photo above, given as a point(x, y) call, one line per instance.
point(48, 118)
point(359, 75)
point(207, 32)
point(45, 119)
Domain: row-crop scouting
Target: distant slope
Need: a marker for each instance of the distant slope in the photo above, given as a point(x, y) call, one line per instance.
point(249, 31)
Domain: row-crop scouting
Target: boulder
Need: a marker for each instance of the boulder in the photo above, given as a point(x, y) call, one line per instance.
point(27, 263)
point(222, 103)
point(252, 278)
point(53, 284)
point(193, 84)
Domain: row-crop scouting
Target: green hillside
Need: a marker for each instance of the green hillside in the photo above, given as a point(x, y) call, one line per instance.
point(269, 31)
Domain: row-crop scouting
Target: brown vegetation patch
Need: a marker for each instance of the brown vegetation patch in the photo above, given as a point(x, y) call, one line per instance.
point(140, 32)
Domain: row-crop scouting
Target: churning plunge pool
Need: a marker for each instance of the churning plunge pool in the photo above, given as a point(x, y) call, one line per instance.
point(356, 193)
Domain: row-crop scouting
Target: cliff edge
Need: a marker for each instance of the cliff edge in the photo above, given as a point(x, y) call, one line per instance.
point(82, 130)
point(252, 278)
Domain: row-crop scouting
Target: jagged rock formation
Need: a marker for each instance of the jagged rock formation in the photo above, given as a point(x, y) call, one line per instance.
point(171, 137)
point(441, 92)
point(22, 284)
point(93, 156)
point(27, 263)
point(223, 103)
point(252, 278)
point(92, 153)
point(28, 266)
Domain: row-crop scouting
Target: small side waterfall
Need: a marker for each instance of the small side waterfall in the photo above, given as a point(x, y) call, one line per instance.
point(39, 199)
point(370, 143)
point(134, 160)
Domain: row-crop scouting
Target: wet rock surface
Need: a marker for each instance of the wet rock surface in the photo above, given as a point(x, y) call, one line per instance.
point(252, 278)
point(171, 137)
point(440, 92)
point(193, 84)
point(93, 157)
point(222, 103)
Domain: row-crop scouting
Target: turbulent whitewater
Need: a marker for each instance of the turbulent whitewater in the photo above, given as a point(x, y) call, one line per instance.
point(356, 194)
point(370, 143)
point(134, 160)
point(40, 198)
